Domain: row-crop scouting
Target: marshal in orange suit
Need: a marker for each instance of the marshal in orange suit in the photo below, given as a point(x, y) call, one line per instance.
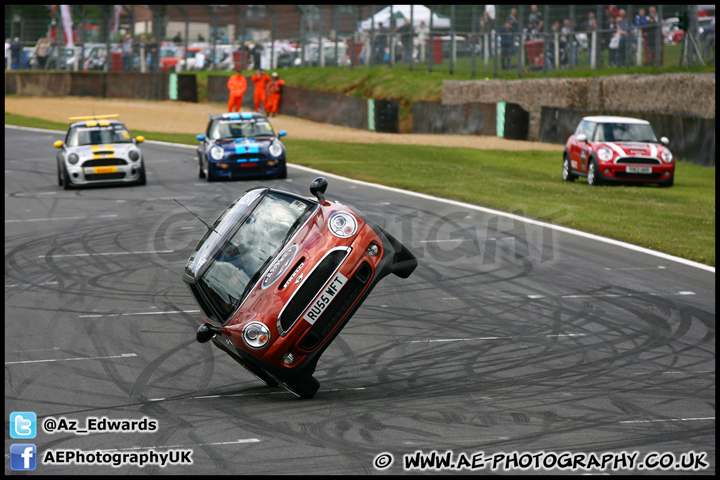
point(260, 80)
point(274, 89)
point(237, 86)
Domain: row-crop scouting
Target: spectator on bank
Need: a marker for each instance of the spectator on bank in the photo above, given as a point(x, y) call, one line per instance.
point(153, 54)
point(506, 45)
point(274, 94)
point(381, 41)
point(8, 43)
point(237, 86)
point(42, 51)
point(406, 35)
point(621, 33)
point(641, 19)
point(651, 28)
point(16, 51)
point(535, 15)
point(652, 12)
point(127, 52)
point(512, 19)
point(177, 39)
point(257, 53)
point(422, 32)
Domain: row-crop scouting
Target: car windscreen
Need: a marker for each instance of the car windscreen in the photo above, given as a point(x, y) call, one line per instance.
point(237, 267)
point(625, 132)
point(240, 128)
point(83, 135)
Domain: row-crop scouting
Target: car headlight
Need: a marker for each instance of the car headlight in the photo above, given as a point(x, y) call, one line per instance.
point(605, 154)
point(276, 149)
point(134, 155)
point(217, 152)
point(73, 158)
point(667, 156)
point(256, 335)
point(342, 224)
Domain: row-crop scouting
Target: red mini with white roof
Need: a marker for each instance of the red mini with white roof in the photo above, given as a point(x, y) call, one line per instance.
point(608, 149)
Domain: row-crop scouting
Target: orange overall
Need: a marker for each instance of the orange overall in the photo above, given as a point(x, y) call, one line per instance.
point(274, 89)
point(237, 86)
point(260, 98)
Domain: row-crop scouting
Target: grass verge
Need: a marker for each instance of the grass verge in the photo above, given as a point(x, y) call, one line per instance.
point(679, 221)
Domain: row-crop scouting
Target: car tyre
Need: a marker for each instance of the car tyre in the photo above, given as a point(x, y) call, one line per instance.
point(567, 174)
point(143, 178)
point(67, 184)
point(259, 373)
point(668, 183)
point(283, 172)
point(593, 174)
point(209, 177)
point(60, 177)
point(201, 173)
point(306, 387)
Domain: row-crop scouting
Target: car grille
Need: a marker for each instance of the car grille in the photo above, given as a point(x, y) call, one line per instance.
point(638, 161)
point(248, 170)
point(101, 162)
point(246, 156)
point(638, 176)
point(105, 176)
point(309, 289)
point(337, 308)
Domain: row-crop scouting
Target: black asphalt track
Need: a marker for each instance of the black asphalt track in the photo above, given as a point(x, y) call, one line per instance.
point(509, 337)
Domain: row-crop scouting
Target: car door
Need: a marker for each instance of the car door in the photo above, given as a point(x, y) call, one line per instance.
point(575, 148)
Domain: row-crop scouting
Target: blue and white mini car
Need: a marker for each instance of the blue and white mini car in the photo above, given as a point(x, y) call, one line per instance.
point(240, 145)
point(99, 150)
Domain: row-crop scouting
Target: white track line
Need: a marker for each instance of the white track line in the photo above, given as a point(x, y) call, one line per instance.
point(470, 206)
point(123, 355)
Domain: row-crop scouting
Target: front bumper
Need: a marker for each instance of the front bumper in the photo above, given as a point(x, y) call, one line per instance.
point(234, 169)
point(81, 175)
point(625, 172)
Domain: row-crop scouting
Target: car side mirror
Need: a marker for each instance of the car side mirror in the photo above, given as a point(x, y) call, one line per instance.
point(664, 140)
point(282, 133)
point(318, 187)
point(139, 139)
point(206, 332)
point(200, 138)
point(582, 138)
point(58, 144)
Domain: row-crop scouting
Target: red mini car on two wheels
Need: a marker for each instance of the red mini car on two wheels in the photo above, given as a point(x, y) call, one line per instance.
point(277, 276)
point(609, 149)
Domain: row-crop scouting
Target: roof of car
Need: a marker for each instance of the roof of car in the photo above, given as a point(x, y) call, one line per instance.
point(611, 119)
point(238, 115)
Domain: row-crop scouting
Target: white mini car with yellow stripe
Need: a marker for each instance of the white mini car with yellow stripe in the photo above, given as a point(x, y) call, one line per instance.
point(99, 150)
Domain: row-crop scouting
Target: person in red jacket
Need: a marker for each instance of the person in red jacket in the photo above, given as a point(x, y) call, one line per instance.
point(260, 79)
point(274, 89)
point(237, 86)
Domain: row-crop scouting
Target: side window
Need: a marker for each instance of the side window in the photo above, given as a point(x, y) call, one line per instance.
point(590, 130)
point(580, 128)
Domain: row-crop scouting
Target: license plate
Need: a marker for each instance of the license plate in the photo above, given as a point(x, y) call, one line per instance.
point(327, 296)
point(638, 169)
point(96, 170)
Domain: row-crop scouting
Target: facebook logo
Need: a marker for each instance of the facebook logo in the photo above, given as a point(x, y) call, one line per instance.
point(23, 456)
point(23, 425)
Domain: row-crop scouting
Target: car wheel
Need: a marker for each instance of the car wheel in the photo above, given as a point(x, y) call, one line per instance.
point(668, 183)
point(307, 387)
point(60, 178)
point(593, 174)
point(201, 173)
point(209, 177)
point(143, 179)
point(67, 184)
point(567, 174)
point(283, 172)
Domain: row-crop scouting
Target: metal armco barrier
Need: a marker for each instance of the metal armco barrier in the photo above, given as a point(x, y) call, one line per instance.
point(692, 139)
point(142, 86)
point(148, 86)
point(326, 107)
point(465, 119)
